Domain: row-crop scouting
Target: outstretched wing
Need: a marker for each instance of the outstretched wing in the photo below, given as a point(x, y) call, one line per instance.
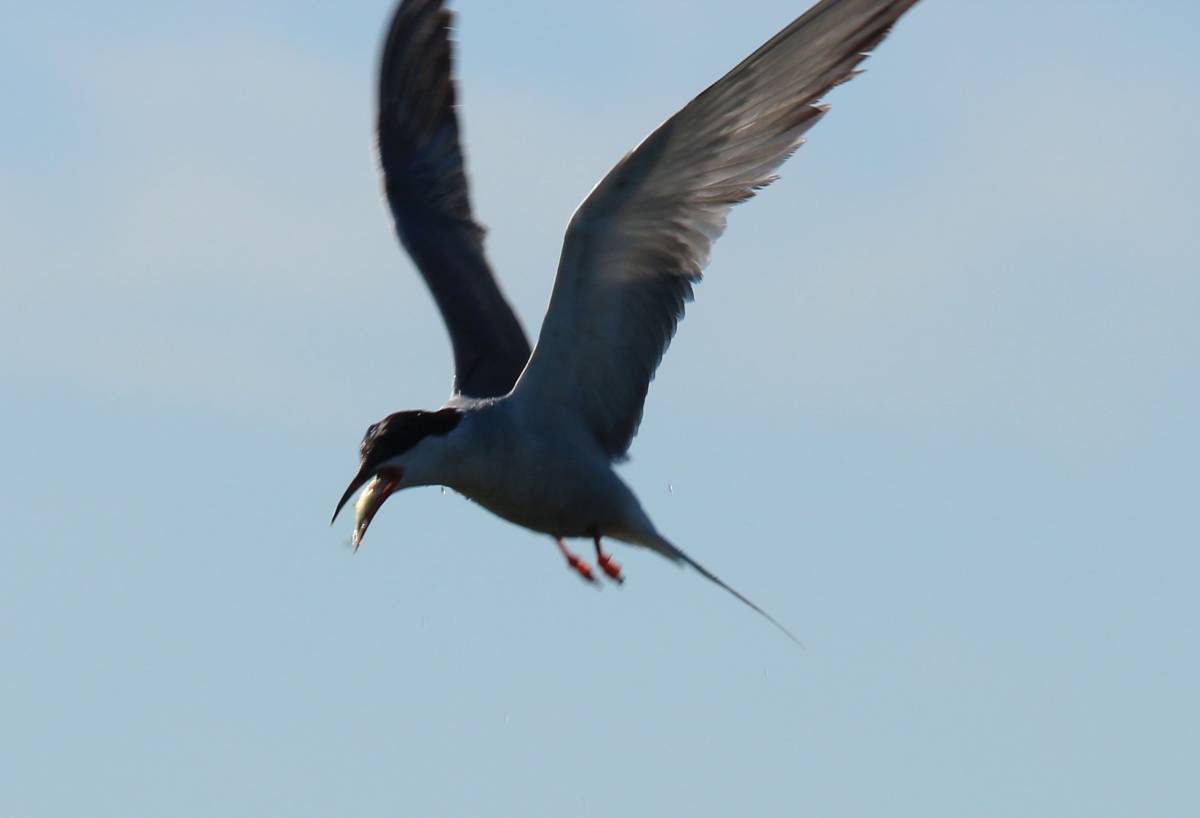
point(637, 244)
point(426, 187)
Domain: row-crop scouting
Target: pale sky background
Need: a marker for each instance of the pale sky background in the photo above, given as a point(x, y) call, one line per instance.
point(935, 408)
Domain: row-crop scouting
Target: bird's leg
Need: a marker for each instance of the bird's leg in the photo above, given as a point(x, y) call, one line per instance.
point(582, 568)
point(607, 564)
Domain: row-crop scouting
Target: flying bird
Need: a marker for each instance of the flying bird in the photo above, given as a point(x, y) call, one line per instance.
point(533, 436)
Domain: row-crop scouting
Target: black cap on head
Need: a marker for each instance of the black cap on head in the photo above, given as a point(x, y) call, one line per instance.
point(400, 431)
point(392, 436)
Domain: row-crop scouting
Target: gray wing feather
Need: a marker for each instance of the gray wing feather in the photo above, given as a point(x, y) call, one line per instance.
point(426, 187)
point(637, 245)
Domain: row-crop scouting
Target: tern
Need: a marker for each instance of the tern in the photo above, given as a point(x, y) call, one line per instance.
point(533, 436)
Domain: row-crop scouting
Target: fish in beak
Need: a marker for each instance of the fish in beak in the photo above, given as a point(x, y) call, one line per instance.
point(379, 486)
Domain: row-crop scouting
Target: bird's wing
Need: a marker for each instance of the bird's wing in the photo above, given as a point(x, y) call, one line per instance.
point(637, 244)
point(426, 186)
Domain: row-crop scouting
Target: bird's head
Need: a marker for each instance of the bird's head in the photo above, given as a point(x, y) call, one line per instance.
point(392, 457)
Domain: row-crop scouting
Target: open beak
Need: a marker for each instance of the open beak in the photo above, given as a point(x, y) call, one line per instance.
point(378, 488)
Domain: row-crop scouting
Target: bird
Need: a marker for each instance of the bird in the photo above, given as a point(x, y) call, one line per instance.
point(533, 435)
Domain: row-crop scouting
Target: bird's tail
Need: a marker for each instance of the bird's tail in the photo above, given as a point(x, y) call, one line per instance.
point(662, 546)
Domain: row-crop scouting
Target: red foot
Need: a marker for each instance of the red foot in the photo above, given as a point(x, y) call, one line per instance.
point(607, 564)
point(610, 567)
point(582, 568)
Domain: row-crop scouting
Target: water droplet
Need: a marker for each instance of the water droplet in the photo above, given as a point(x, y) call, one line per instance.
point(670, 488)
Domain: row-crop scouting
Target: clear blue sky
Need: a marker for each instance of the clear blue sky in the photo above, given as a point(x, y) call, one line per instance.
point(935, 408)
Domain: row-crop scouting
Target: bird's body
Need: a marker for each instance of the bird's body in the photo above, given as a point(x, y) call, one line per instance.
point(538, 468)
point(533, 437)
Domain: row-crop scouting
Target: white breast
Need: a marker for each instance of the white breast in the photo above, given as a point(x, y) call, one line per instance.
point(541, 474)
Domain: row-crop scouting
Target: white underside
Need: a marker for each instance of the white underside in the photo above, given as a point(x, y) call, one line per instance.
point(539, 470)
